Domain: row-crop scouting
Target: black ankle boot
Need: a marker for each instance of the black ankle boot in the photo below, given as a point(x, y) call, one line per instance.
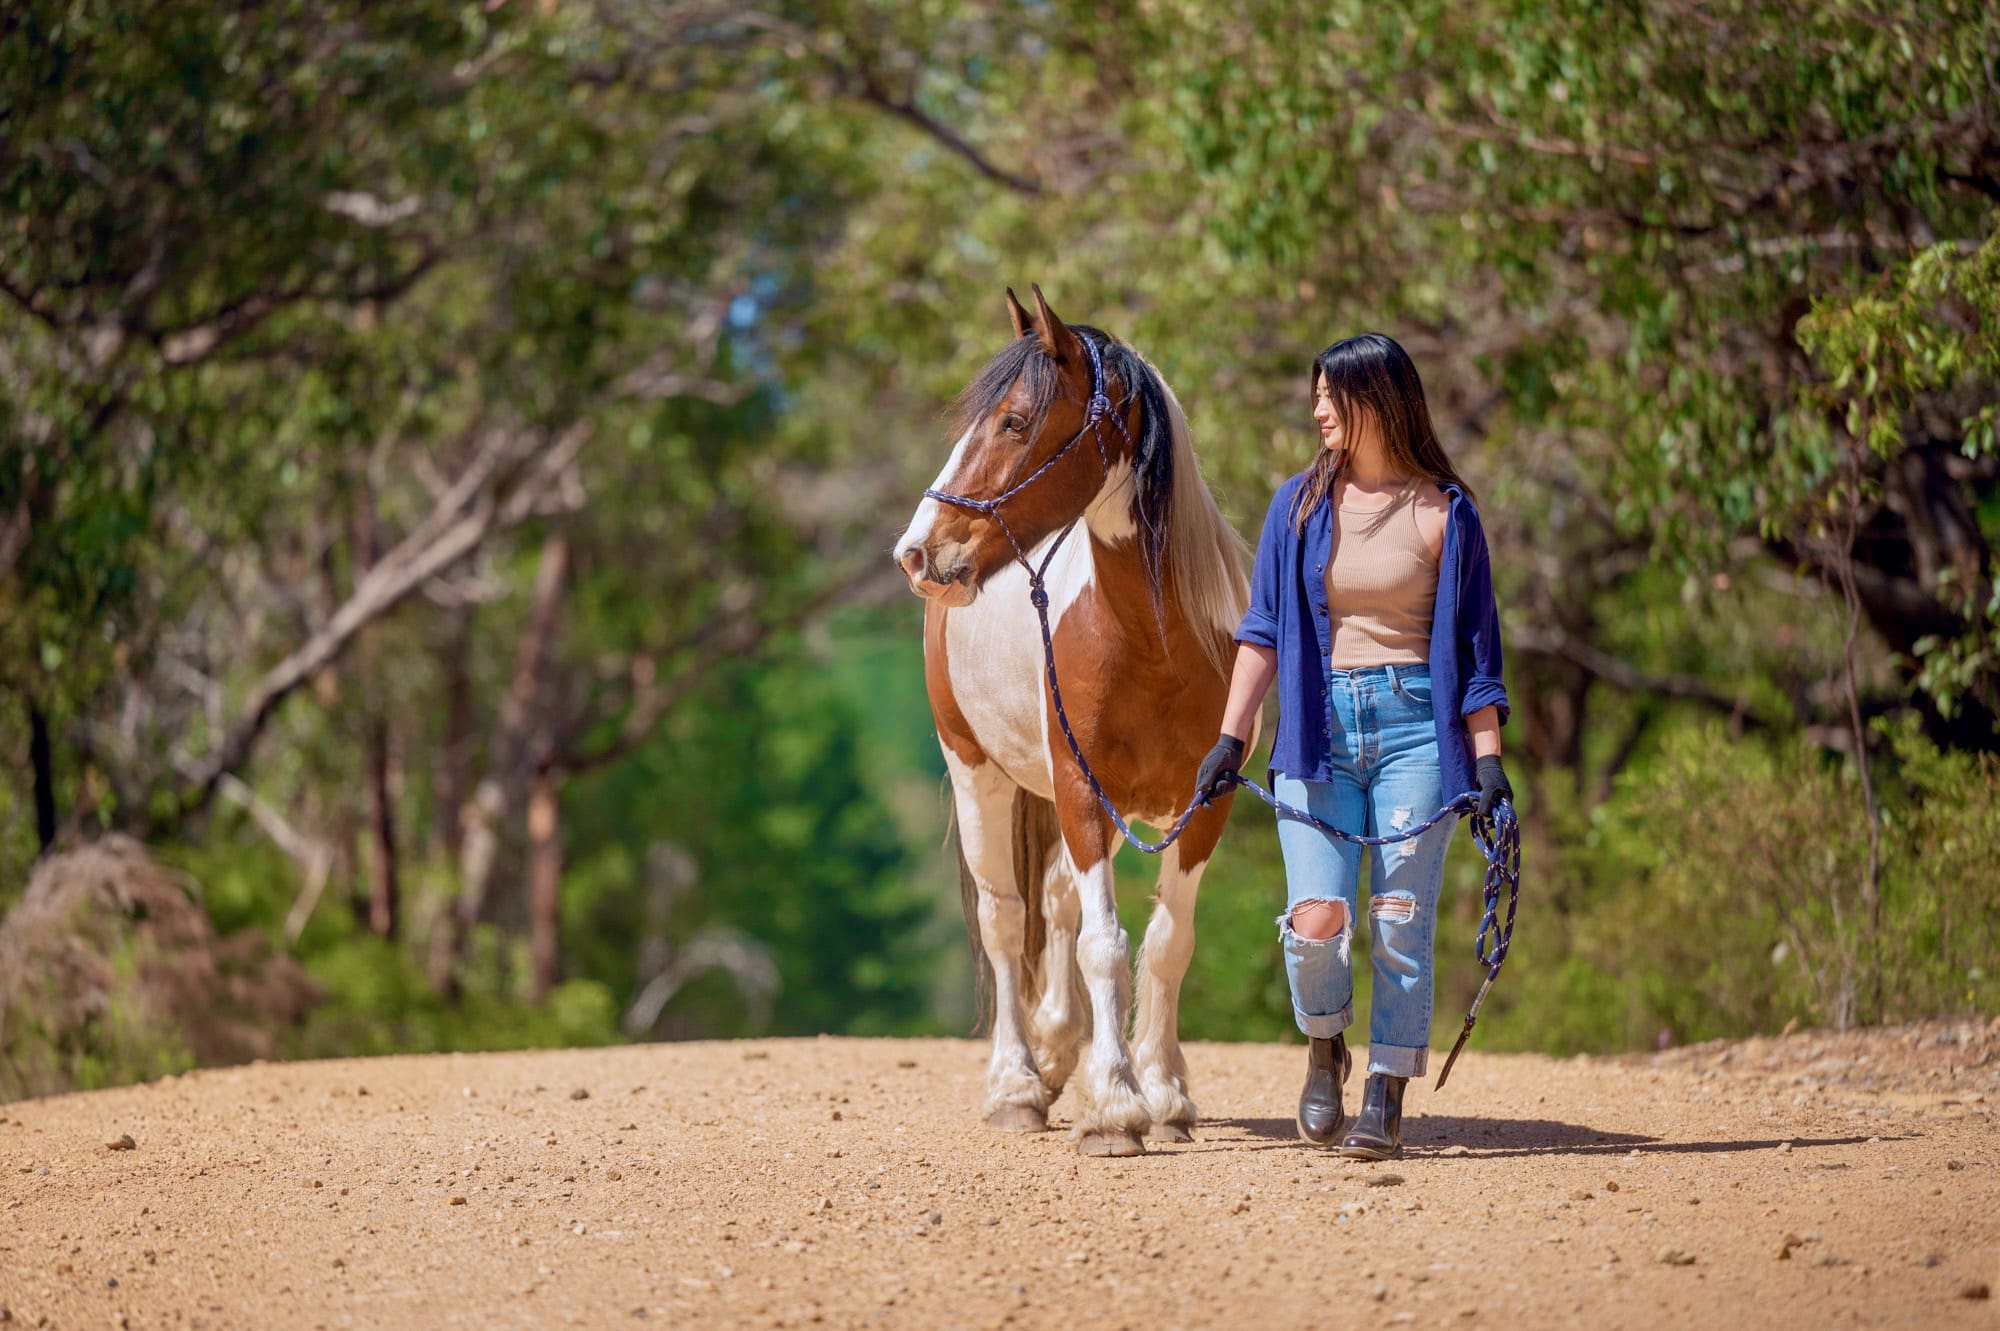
point(1321, 1114)
point(1378, 1129)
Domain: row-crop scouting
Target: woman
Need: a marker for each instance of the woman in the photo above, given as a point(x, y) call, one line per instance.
point(1372, 609)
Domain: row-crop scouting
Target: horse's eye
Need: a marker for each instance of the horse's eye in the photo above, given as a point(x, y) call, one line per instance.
point(1013, 424)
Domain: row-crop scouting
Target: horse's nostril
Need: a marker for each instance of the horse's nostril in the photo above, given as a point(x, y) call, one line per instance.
point(912, 562)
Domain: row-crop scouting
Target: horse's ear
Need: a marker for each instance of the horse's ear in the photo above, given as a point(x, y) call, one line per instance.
point(1024, 323)
point(1057, 339)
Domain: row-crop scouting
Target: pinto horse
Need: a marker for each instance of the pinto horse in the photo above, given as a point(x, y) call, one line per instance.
point(1067, 428)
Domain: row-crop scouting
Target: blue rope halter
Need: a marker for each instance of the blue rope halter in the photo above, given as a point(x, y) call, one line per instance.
point(1498, 834)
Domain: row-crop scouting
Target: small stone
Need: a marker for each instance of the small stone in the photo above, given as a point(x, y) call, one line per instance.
point(836, 1116)
point(906, 1062)
point(1457, 1149)
point(824, 1204)
point(1784, 1148)
point(1954, 1165)
point(123, 1142)
point(936, 1217)
point(1385, 1180)
point(579, 1094)
point(1581, 1194)
point(1611, 1185)
point(579, 1228)
point(1783, 1252)
point(1829, 1259)
point(1675, 1257)
point(613, 1174)
point(1238, 1208)
point(340, 1263)
point(833, 1153)
point(454, 1201)
point(920, 1231)
point(1975, 1289)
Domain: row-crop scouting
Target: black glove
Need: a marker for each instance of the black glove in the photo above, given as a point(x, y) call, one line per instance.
point(1218, 770)
point(1493, 785)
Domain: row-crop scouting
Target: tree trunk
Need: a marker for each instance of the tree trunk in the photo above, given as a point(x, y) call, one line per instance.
point(41, 757)
point(545, 882)
point(455, 760)
point(500, 794)
point(383, 893)
point(383, 896)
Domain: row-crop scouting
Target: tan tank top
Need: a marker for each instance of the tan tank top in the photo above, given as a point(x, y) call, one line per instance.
point(1381, 584)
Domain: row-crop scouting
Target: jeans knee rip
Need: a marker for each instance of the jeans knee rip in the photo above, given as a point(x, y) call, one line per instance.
point(1394, 909)
point(1342, 940)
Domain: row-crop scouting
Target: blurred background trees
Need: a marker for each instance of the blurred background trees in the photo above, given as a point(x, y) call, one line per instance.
point(448, 454)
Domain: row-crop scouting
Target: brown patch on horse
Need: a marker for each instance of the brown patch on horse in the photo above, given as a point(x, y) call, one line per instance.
point(1109, 648)
point(954, 731)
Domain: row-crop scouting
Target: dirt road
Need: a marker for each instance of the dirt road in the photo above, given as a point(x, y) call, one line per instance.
point(847, 1183)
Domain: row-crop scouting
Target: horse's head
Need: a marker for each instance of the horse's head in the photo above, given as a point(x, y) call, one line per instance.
point(1028, 441)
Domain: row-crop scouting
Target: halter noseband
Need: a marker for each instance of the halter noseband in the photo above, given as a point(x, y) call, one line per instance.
point(1096, 412)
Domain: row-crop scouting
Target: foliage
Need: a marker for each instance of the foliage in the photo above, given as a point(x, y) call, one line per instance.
point(1715, 895)
point(448, 450)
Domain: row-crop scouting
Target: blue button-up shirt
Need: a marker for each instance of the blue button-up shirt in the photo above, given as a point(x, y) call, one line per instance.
point(1288, 612)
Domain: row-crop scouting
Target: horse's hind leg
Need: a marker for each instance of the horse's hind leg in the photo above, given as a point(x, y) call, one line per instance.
point(1062, 1015)
point(1163, 963)
point(1016, 1099)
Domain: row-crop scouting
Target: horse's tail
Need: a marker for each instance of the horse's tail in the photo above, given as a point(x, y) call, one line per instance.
point(1036, 836)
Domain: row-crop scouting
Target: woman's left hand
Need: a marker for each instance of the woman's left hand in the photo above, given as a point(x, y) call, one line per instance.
point(1493, 786)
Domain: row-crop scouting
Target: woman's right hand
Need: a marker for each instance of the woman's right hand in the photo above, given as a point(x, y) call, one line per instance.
point(1219, 768)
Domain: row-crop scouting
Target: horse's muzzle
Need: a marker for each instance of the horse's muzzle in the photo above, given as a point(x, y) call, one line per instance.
point(951, 587)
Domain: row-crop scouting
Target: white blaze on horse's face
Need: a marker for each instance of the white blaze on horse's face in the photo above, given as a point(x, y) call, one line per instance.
point(938, 574)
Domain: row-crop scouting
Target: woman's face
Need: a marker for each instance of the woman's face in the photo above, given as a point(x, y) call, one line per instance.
point(1332, 431)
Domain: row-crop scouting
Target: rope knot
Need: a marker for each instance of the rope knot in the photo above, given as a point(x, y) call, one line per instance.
point(1038, 596)
point(1100, 407)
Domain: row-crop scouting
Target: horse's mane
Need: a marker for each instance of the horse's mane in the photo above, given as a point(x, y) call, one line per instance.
point(1183, 537)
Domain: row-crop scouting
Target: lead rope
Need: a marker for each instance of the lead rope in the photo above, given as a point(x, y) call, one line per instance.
point(1498, 834)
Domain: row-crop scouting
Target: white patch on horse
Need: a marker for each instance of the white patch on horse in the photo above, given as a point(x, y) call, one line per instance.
point(1110, 516)
point(993, 651)
point(921, 522)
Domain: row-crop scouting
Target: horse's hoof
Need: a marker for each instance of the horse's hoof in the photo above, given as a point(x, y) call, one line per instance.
point(1168, 1134)
point(1018, 1118)
point(1110, 1143)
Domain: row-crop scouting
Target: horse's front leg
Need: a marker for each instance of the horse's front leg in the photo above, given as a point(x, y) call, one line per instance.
point(1059, 1019)
point(1112, 1119)
point(1163, 961)
point(1016, 1100)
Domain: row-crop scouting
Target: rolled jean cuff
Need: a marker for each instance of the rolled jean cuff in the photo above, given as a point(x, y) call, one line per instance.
point(1325, 1028)
point(1394, 1060)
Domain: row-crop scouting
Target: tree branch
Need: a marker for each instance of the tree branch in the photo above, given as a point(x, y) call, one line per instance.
point(1602, 665)
point(472, 510)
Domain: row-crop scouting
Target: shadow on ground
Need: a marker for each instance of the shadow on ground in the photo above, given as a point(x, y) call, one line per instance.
point(1486, 1138)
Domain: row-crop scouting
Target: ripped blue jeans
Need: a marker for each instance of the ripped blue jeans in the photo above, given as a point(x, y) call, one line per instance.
point(1385, 778)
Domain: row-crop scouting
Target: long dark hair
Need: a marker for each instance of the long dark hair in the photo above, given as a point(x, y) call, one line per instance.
point(1371, 374)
